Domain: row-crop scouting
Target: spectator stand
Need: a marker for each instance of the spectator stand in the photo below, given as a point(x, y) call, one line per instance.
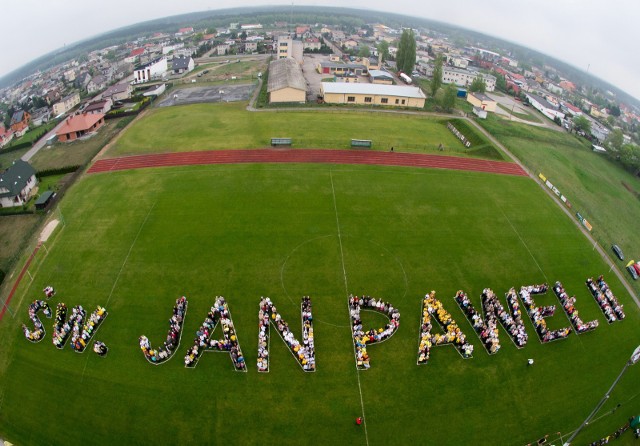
point(281, 142)
point(608, 303)
point(38, 333)
point(363, 338)
point(538, 314)
point(572, 312)
point(163, 354)
point(304, 353)
point(453, 334)
point(361, 144)
point(219, 313)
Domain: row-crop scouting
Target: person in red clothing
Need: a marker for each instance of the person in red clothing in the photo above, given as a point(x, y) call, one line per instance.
point(359, 421)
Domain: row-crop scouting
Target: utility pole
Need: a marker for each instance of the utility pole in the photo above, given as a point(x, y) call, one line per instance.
point(635, 357)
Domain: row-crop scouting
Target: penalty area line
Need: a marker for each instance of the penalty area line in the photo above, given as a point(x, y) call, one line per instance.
point(346, 290)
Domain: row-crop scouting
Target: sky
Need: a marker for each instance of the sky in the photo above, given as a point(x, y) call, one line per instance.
point(598, 36)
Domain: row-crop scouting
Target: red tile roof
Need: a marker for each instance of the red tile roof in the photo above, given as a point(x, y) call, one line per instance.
point(78, 123)
point(137, 52)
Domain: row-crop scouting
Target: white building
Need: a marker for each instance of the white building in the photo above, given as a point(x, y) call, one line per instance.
point(150, 71)
point(168, 48)
point(464, 78)
point(287, 47)
point(544, 106)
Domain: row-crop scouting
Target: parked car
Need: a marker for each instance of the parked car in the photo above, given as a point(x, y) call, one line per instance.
point(633, 272)
point(616, 249)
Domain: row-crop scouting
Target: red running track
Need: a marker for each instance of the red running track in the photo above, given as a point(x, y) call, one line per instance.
point(15, 285)
point(306, 156)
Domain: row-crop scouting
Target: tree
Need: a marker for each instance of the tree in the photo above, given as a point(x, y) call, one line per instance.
point(501, 83)
point(406, 55)
point(364, 51)
point(580, 123)
point(449, 98)
point(383, 48)
point(614, 110)
point(615, 140)
point(478, 85)
point(436, 82)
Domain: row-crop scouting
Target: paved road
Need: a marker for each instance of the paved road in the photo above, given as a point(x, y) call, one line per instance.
point(40, 144)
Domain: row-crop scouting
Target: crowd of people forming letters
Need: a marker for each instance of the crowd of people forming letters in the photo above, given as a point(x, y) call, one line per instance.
point(38, 332)
point(453, 335)
point(361, 337)
point(538, 314)
point(77, 325)
point(607, 302)
point(162, 354)
point(572, 312)
point(219, 313)
point(304, 352)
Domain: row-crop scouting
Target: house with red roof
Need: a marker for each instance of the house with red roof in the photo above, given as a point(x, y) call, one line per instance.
point(5, 136)
point(77, 126)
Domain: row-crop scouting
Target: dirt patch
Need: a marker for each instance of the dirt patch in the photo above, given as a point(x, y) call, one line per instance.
point(631, 189)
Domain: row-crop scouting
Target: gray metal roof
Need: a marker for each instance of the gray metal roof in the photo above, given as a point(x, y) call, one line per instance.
point(373, 89)
point(180, 63)
point(15, 178)
point(285, 73)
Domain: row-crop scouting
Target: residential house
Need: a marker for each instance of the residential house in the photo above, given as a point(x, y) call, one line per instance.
point(66, 104)
point(82, 80)
point(372, 94)
point(222, 49)
point(5, 136)
point(70, 75)
point(482, 101)
point(20, 122)
point(150, 71)
point(286, 81)
point(40, 116)
point(99, 107)
point(17, 184)
point(250, 47)
point(118, 92)
point(182, 64)
point(303, 32)
point(97, 83)
point(166, 49)
point(311, 43)
point(184, 31)
point(77, 126)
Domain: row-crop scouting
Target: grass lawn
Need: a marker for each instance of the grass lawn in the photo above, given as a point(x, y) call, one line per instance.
point(14, 233)
point(230, 126)
point(135, 241)
point(78, 152)
point(594, 186)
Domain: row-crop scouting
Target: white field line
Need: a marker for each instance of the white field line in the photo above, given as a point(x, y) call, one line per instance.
point(346, 290)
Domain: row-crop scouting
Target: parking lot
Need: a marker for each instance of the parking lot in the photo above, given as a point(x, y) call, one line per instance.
point(312, 76)
point(204, 94)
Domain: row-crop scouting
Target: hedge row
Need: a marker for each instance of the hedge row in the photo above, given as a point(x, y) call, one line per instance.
point(57, 171)
point(14, 147)
point(1, 276)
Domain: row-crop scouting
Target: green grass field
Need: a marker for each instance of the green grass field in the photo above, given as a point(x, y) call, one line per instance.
point(230, 126)
point(135, 241)
point(597, 188)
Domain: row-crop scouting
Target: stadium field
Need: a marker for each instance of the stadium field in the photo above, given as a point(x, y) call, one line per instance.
point(135, 241)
